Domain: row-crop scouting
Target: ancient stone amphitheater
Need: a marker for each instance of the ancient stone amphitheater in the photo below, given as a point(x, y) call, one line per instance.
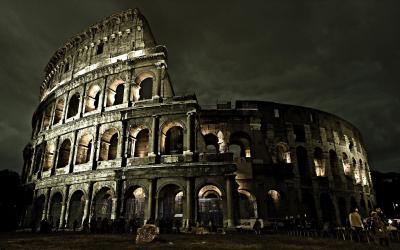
point(111, 140)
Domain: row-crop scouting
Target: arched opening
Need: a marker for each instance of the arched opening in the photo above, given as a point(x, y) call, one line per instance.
point(142, 143)
point(135, 205)
point(49, 157)
point(84, 149)
point(210, 206)
point(38, 159)
point(109, 145)
point(242, 140)
point(76, 208)
point(103, 204)
point(211, 143)
point(357, 175)
point(319, 162)
point(283, 153)
point(170, 206)
point(64, 153)
point(247, 205)
point(346, 164)
point(38, 211)
point(173, 141)
point(73, 105)
point(273, 204)
point(47, 117)
point(119, 94)
point(302, 163)
point(333, 162)
point(343, 210)
point(308, 203)
point(115, 93)
point(58, 112)
point(146, 89)
point(92, 98)
point(55, 210)
point(328, 213)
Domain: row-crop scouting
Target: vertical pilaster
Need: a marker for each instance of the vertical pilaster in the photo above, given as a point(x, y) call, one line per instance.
point(64, 207)
point(229, 202)
point(189, 203)
point(154, 137)
point(150, 206)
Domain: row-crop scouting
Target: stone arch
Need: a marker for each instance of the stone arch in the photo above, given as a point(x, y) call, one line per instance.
point(143, 88)
point(170, 204)
point(102, 203)
point(326, 205)
point(274, 203)
point(302, 164)
point(171, 139)
point(55, 209)
point(142, 143)
point(47, 116)
point(211, 141)
point(319, 162)
point(49, 156)
point(38, 208)
point(135, 204)
point(346, 164)
point(73, 105)
point(76, 207)
point(93, 97)
point(115, 93)
point(38, 158)
point(84, 149)
point(109, 145)
point(64, 153)
point(210, 206)
point(59, 111)
point(283, 153)
point(243, 143)
point(247, 205)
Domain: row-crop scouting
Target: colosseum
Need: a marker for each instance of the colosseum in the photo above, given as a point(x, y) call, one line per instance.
point(112, 140)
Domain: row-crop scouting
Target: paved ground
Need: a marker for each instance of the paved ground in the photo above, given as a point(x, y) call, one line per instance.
point(173, 241)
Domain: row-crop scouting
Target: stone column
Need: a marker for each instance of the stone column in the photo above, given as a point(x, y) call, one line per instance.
point(89, 201)
point(189, 203)
point(154, 137)
point(150, 205)
point(64, 116)
point(72, 154)
point(46, 204)
point(189, 133)
point(160, 73)
point(64, 207)
point(229, 202)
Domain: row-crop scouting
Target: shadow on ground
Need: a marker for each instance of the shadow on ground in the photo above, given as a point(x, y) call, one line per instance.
point(66, 240)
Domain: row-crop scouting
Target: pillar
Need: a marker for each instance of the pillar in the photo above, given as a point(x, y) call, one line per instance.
point(160, 72)
point(154, 137)
point(64, 207)
point(189, 133)
point(229, 202)
point(150, 205)
point(189, 203)
point(46, 204)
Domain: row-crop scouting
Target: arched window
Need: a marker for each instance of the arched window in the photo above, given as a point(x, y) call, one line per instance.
point(242, 140)
point(84, 149)
point(58, 112)
point(73, 105)
point(319, 162)
point(38, 159)
point(103, 204)
point(302, 163)
point(174, 141)
point(146, 87)
point(247, 205)
point(283, 153)
point(109, 145)
point(170, 203)
point(135, 204)
point(346, 164)
point(49, 157)
point(210, 206)
point(64, 153)
point(76, 208)
point(119, 94)
point(47, 117)
point(92, 98)
point(142, 143)
point(55, 209)
point(211, 143)
point(115, 93)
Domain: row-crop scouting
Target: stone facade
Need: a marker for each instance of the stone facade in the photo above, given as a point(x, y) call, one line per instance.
point(111, 140)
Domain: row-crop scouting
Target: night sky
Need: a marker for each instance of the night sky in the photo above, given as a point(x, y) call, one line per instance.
point(342, 57)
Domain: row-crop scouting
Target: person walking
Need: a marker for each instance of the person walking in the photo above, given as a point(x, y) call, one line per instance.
point(257, 227)
point(380, 230)
point(356, 224)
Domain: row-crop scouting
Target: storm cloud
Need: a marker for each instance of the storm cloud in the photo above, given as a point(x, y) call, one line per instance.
point(338, 56)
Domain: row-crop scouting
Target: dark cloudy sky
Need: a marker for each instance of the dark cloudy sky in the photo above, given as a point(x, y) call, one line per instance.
point(339, 56)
